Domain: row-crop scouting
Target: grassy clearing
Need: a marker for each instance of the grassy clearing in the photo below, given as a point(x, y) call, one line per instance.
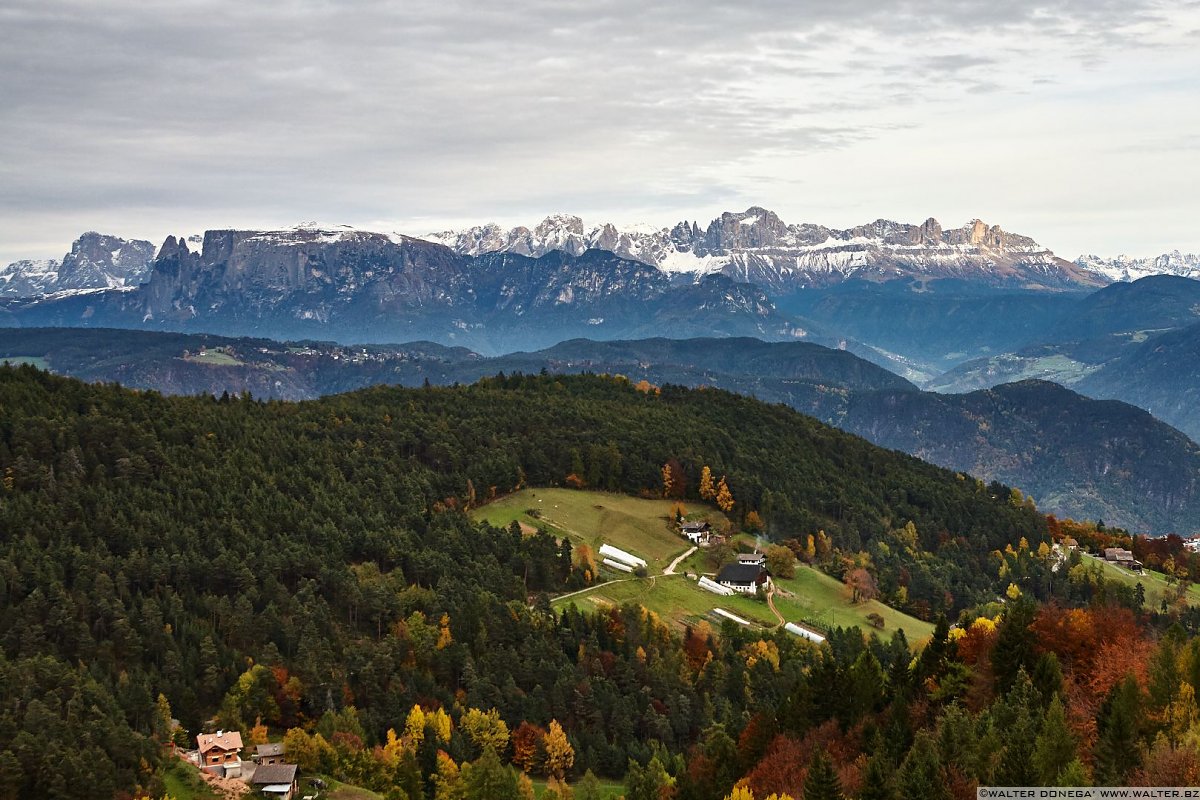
point(816, 595)
point(1155, 583)
point(35, 361)
point(215, 358)
point(642, 527)
point(609, 790)
point(183, 782)
point(338, 791)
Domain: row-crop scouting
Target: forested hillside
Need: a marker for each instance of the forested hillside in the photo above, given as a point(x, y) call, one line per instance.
point(309, 565)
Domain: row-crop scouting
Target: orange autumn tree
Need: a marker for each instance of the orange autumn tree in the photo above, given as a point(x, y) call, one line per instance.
point(526, 743)
point(724, 498)
point(707, 490)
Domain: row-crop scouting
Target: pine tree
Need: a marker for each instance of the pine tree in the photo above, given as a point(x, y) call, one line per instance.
point(877, 780)
point(1014, 644)
point(822, 782)
point(707, 490)
point(1074, 774)
point(1116, 752)
point(920, 776)
point(1054, 749)
point(1047, 677)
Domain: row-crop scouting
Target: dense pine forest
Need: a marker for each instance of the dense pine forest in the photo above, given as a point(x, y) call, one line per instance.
point(310, 568)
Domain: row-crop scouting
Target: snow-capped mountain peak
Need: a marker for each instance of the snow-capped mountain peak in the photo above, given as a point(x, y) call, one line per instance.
point(1129, 268)
point(757, 246)
point(96, 261)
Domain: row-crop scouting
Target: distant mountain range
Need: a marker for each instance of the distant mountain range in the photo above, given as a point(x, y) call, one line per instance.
point(756, 246)
point(357, 286)
point(1138, 342)
point(954, 310)
point(1075, 456)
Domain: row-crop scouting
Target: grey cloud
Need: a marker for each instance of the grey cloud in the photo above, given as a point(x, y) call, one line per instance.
point(370, 109)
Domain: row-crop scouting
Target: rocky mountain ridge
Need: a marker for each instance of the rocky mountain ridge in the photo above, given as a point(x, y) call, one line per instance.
point(360, 286)
point(756, 246)
point(96, 261)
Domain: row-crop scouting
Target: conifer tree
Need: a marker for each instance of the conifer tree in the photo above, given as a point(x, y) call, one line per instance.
point(920, 776)
point(707, 490)
point(1116, 752)
point(877, 780)
point(1074, 774)
point(822, 782)
point(1054, 749)
point(1014, 644)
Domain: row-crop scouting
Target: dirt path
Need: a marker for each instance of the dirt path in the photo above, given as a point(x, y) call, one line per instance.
point(771, 605)
point(670, 570)
point(589, 589)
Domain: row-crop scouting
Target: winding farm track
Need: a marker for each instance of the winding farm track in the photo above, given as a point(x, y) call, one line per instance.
point(771, 605)
point(670, 570)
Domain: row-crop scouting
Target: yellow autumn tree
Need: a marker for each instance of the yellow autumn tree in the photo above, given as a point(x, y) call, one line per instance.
point(668, 479)
point(485, 729)
point(447, 781)
point(438, 723)
point(740, 793)
point(1182, 715)
point(444, 637)
point(560, 756)
point(414, 727)
point(585, 561)
point(393, 748)
point(724, 496)
point(707, 490)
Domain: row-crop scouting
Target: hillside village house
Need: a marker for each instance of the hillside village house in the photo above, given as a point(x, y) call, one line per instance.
point(277, 781)
point(1122, 558)
point(267, 754)
point(220, 752)
point(697, 533)
point(745, 578)
point(755, 559)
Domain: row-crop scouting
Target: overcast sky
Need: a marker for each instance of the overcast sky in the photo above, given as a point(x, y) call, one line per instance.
point(1072, 121)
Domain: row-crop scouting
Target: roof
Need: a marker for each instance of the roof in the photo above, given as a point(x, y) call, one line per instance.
point(272, 749)
point(695, 526)
point(221, 740)
point(274, 775)
point(740, 573)
point(751, 558)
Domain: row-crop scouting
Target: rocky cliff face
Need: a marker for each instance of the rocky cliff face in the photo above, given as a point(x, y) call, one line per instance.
point(96, 261)
point(756, 246)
